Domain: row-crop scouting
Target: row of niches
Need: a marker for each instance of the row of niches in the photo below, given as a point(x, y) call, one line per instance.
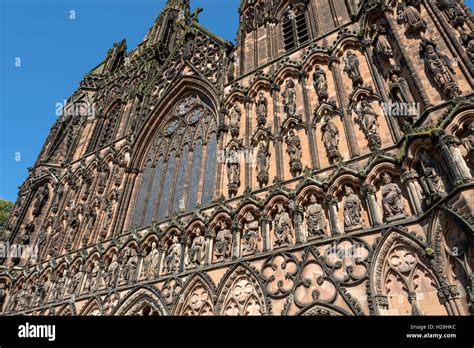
point(283, 222)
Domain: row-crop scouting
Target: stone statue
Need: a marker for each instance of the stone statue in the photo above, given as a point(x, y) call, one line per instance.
point(251, 235)
point(231, 68)
point(41, 198)
point(392, 200)
point(173, 256)
point(58, 196)
point(150, 263)
point(289, 99)
point(233, 172)
point(438, 67)
point(469, 141)
point(315, 218)
point(408, 13)
point(283, 226)
point(197, 251)
point(331, 139)
point(262, 110)
point(430, 176)
point(74, 283)
point(223, 246)
point(294, 152)
point(351, 67)
point(352, 210)
point(29, 229)
point(92, 276)
point(367, 118)
point(320, 83)
point(112, 271)
point(234, 120)
point(467, 39)
point(400, 92)
point(383, 47)
point(453, 12)
point(262, 164)
point(131, 264)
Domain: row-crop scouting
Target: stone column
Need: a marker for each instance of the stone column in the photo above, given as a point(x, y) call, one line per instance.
point(265, 230)
point(331, 203)
point(313, 149)
point(344, 105)
point(275, 90)
point(368, 191)
point(210, 235)
point(449, 148)
point(235, 229)
point(298, 216)
point(410, 178)
point(248, 102)
point(184, 251)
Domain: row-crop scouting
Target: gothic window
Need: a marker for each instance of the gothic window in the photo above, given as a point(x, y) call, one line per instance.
point(295, 28)
point(180, 163)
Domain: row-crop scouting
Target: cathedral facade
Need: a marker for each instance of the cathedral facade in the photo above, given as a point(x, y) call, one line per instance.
point(322, 165)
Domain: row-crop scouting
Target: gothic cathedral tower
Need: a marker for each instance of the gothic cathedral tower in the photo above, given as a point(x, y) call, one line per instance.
point(324, 163)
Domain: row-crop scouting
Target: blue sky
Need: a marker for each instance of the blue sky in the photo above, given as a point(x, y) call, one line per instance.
point(56, 52)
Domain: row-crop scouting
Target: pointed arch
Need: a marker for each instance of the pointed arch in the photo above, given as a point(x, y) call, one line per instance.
point(93, 307)
point(197, 297)
point(402, 281)
point(179, 146)
point(241, 293)
point(145, 301)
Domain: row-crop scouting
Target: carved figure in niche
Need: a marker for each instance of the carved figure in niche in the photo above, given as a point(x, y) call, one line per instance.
point(57, 197)
point(57, 288)
point(320, 83)
point(197, 251)
point(352, 210)
point(392, 200)
point(111, 273)
point(408, 14)
point(74, 282)
point(315, 218)
point(331, 139)
point(231, 69)
point(41, 199)
point(223, 246)
point(173, 256)
point(29, 229)
point(251, 235)
point(150, 263)
point(294, 152)
point(188, 46)
point(453, 12)
point(234, 120)
point(73, 228)
point(367, 118)
point(108, 214)
point(438, 67)
point(263, 165)
point(431, 179)
point(351, 68)
point(129, 265)
point(383, 48)
point(400, 91)
point(283, 228)
point(249, 18)
point(233, 172)
point(262, 110)
point(467, 39)
point(91, 219)
point(91, 277)
point(469, 141)
point(289, 99)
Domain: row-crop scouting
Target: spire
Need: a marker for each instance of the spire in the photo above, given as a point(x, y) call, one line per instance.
point(170, 24)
